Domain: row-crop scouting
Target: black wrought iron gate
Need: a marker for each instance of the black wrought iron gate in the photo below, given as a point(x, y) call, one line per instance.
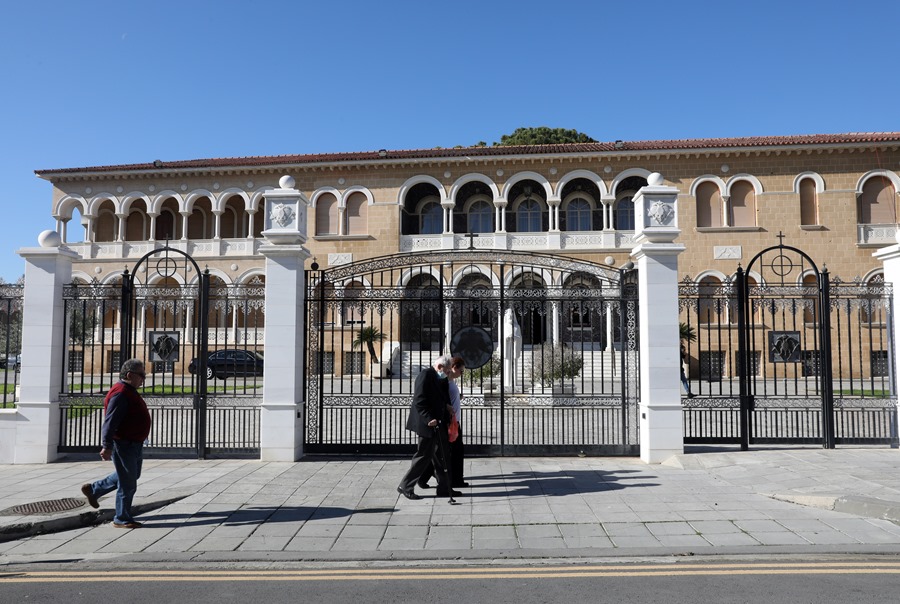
point(550, 345)
point(166, 312)
point(783, 354)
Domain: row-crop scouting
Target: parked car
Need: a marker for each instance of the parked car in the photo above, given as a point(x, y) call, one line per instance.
point(13, 361)
point(228, 363)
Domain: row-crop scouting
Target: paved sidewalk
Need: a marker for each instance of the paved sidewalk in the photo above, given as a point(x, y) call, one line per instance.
point(778, 500)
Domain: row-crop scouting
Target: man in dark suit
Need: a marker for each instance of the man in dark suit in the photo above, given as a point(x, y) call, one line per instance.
point(429, 415)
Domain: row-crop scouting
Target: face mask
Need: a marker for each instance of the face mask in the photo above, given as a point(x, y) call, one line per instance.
point(442, 375)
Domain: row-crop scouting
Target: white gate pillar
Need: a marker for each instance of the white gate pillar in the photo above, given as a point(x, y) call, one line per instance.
point(656, 256)
point(890, 257)
point(281, 422)
point(47, 269)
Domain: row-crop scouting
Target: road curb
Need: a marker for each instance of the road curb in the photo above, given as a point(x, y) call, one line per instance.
point(67, 521)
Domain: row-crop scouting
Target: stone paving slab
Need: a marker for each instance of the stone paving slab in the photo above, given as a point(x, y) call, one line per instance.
point(729, 501)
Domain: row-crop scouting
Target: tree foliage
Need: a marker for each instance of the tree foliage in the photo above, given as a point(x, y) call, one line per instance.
point(369, 336)
point(543, 135)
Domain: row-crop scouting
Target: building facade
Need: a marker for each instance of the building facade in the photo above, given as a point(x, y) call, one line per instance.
point(833, 196)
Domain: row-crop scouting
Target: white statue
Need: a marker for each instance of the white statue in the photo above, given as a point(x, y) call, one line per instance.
point(512, 350)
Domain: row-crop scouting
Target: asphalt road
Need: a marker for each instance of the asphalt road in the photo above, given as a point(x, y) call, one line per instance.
point(773, 580)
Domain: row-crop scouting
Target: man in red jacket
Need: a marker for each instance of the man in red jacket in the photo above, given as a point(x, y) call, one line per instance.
point(125, 428)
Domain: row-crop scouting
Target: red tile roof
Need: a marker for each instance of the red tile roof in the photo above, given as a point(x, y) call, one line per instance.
point(462, 152)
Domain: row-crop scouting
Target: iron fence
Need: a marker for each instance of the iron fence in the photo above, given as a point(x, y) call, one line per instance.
point(11, 297)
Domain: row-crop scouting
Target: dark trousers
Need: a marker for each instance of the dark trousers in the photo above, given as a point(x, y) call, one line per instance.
point(427, 455)
point(457, 459)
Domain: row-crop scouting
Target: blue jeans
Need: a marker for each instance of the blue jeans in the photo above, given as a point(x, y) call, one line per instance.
point(127, 461)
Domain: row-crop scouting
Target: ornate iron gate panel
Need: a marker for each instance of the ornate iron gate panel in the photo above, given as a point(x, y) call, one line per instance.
point(783, 354)
point(550, 346)
point(200, 343)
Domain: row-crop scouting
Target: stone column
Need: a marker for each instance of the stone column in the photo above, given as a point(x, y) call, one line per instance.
point(47, 269)
point(282, 422)
point(656, 257)
point(890, 257)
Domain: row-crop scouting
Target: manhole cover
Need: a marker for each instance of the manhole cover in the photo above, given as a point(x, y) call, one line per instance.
point(44, 507)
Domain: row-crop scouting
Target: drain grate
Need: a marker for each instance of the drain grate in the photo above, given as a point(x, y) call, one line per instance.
point(44, 507)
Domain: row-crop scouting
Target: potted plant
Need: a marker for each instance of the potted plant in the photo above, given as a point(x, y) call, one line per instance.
point(371, 336)
point(555, 366)
point(487, 376)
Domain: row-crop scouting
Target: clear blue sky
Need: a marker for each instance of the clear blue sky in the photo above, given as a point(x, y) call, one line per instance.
point(95, 82)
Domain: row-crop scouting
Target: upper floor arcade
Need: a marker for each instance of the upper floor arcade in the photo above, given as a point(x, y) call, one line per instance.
point(504, 200)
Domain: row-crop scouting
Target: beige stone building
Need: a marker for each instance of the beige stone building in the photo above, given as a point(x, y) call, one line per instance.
point(833, 196)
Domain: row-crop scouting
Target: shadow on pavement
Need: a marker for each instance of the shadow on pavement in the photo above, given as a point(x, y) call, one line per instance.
point(258, 515)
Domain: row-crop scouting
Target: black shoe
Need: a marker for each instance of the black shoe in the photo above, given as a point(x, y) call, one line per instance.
point(424, 485)
point(691, 395)
point(461, 485)
point(453, 493)
point(408, 494)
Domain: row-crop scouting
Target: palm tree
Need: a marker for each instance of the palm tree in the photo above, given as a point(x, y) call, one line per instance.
point(686, 332)
point(369, 336)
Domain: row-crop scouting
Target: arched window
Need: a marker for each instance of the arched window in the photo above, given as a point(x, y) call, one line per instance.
point(165, 225)
point(106, 225)
point(137, 225)
point(353, 309)
point(810, 300)
point(709, 205)
point(876, 203)
point(355, 214)
point(623, 213)
point(809, 204)
point(578, 215)
point(528, 217)
point(742, 205)
point(711, 308)
point(326, 214)
point(431, 219)
point(481, 217)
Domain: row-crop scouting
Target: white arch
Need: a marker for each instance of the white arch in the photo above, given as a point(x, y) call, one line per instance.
point(154, 278)
point(621, 176)
point(757, 186)
point(111, 278)
point(196, 194)
point(345, 283)
point(98, 199)
point(475, 269)
point(314, 200)
point(895, 180)
point(722, 277)
point(585, 174)
point(419, 179)
point(518, 271)
point(409, 273)
point(875, 272)
point(245, 277)
point(528, 175)
point(707, 178)
point(219, 202)
point(257, 196)
point(213, 272)
point(162, 197)
point(129, 199)
point(473, 177)
point(342, 200)
point(68, 204)
point(820, 182)
point(81, 275)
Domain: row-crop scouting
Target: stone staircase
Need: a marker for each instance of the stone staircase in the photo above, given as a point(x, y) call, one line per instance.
point(598, 364)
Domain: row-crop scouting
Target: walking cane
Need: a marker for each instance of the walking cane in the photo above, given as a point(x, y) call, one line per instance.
point(437, 431)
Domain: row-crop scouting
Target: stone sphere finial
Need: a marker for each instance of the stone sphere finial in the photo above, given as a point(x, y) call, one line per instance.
point(655, 179)
point(49, 238)
point(286, 182)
